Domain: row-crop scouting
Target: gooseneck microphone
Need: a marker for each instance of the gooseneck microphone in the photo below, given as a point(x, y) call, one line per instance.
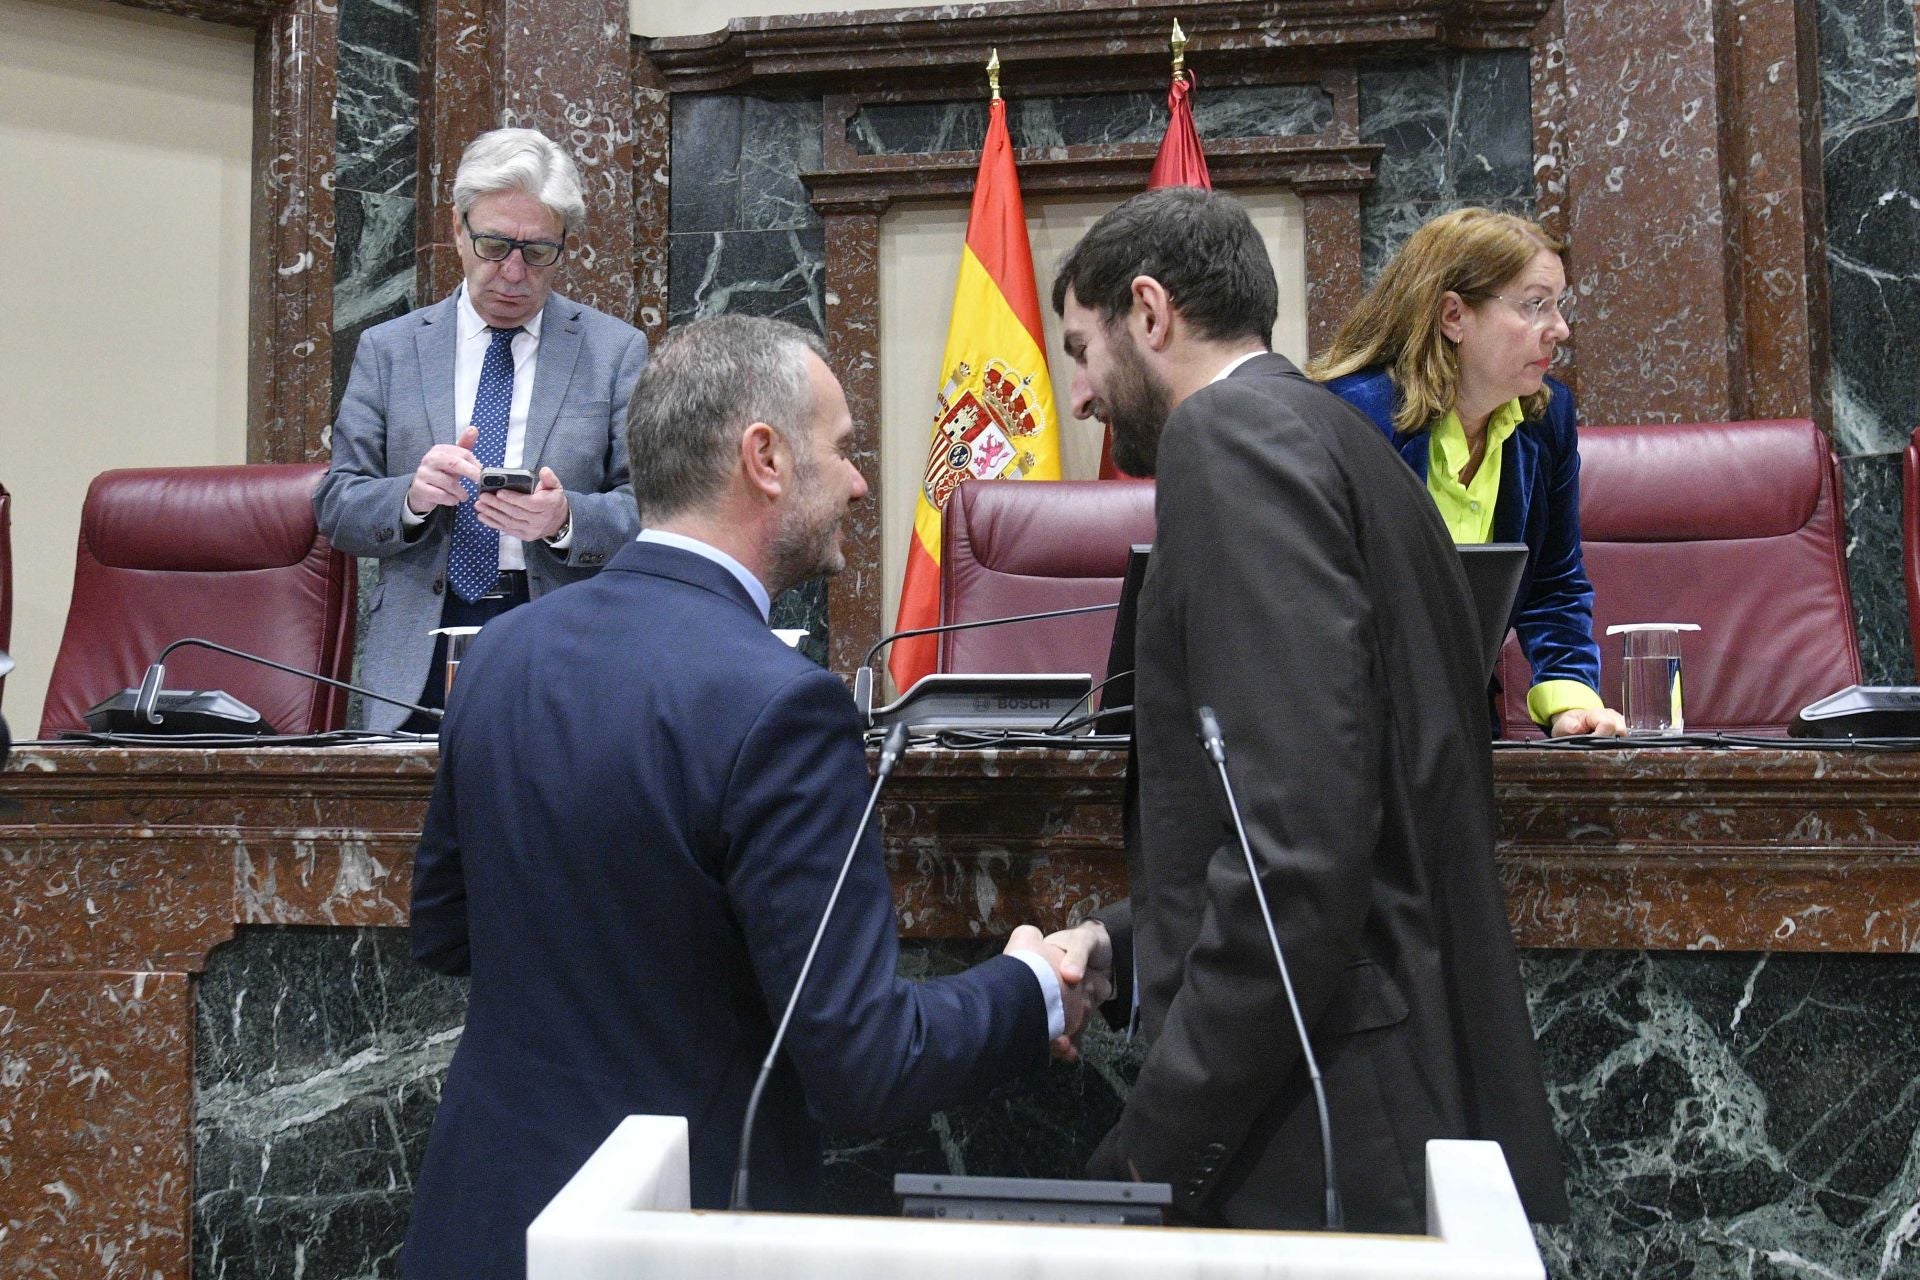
point(891, 750)
point(863, 678)
point(145, 703)
point(1208, 726)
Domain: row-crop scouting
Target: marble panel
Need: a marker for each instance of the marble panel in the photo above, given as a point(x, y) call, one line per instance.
point(1457, 131)
point(804, 606)
point(1730, 1116)
point(1872, 170)
point(377, 100)
point(1725, 1116)
point(1046, 1126)
point(373, 271)
point(1259, 111)
point(763, 273)
point(97, 1095)
point(1874, 566)
point(737, 162)
point(319, 1062)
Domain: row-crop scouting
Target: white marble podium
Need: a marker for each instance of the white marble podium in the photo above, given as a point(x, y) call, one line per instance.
point(625, 1216)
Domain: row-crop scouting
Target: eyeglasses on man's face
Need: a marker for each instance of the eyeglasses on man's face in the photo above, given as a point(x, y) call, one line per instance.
point(1541, 311)
point(535, 253)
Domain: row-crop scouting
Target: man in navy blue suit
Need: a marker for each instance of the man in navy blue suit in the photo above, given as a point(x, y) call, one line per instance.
point(643, 801)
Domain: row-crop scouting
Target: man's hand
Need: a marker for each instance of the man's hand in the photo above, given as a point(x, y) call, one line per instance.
point(1074, 1000)
point(1601, 722)
point(436, 481)
point(1086, 968)
point(526, 516)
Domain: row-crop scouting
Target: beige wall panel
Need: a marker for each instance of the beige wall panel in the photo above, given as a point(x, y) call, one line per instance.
point(919, 265)
point(697, 17)
point(126, 142)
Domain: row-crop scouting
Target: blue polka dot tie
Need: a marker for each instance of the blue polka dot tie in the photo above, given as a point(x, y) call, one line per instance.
point(474, 565)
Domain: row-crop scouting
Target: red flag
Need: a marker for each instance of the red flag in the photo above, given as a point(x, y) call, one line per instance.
point(1181, 163)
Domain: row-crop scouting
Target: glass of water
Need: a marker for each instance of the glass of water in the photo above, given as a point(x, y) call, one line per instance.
point(1650, 676)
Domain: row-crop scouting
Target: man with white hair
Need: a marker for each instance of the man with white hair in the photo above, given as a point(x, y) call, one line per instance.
point(505, 373)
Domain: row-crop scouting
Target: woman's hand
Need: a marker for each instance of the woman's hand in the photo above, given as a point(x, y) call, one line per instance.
point(1601, 722)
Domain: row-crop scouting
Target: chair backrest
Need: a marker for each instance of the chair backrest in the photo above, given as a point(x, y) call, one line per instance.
point(1910, 535)
point(1735, 526)
point(1025, 546)
point(229, 554)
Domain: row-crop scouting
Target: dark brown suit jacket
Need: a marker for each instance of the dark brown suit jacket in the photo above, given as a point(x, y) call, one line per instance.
point(1303, 585)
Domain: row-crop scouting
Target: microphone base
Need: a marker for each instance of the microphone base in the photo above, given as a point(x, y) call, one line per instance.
point(938, 703)
point(183, 712)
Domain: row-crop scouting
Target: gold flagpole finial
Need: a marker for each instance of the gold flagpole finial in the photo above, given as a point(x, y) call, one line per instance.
point(993, 74)
point(1179, 50)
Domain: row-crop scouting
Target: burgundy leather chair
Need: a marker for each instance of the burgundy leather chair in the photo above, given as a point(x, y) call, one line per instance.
point(1023, 546)
point(229, 554)
point(1910, 535)
point(1735, 526)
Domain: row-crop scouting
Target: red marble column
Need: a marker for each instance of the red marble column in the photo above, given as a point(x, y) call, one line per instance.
point(1779, 232)
point(290, 352)
point(854, 607)
point(459, 98)
point(1685, 140)
point(1645, 217)
point(1334, 282)
point(564, 67)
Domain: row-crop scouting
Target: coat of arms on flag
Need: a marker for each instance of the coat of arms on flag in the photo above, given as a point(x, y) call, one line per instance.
point(980, 432)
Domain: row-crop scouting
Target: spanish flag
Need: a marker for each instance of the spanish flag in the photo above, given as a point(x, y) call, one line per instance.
point(993, 418)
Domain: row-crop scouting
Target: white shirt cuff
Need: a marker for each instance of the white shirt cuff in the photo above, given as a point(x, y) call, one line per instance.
point(407, 517)
point(1050, 988)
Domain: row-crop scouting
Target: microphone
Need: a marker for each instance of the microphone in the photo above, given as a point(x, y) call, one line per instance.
point(890, 752)
point(146, 710)
point(1215, 745)
point(866, 663)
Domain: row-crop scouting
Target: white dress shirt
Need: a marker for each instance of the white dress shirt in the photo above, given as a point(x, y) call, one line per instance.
point(469, 354)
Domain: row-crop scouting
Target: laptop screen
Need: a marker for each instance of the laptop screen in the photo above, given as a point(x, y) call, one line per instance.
point(1493, 574)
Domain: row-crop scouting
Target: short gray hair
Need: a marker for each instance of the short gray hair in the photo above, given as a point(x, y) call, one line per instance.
point(705, 385)
point(520, 160)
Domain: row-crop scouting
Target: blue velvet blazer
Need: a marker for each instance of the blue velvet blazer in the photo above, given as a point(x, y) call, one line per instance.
point(1539, 505)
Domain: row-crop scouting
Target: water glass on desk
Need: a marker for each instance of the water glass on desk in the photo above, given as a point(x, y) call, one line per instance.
point(1650, 676)
point(458, 638)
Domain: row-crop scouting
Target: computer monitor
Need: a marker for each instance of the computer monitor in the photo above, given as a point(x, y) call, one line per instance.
point(1494, 570)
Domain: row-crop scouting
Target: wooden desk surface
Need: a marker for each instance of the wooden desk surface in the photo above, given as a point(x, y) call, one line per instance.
point(167, 850)
point(121, 870)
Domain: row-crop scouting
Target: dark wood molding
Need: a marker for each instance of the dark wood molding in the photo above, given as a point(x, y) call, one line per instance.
point(878, 182)
point(918, 46)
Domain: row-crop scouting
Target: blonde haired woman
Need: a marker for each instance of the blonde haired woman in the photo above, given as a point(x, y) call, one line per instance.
point(1448, 354)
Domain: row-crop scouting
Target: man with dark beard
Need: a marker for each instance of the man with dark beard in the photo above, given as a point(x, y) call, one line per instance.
point(643, 803)
point(1304, 587)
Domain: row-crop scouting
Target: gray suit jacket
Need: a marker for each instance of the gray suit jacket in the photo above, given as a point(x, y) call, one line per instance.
point(399, 404)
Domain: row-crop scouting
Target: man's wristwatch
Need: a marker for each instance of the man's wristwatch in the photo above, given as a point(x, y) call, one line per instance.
point(560, 535)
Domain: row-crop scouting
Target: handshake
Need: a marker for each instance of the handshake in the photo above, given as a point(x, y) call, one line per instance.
point(1082, 959)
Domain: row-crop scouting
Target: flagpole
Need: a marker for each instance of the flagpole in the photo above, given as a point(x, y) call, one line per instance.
point(1179, 51)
